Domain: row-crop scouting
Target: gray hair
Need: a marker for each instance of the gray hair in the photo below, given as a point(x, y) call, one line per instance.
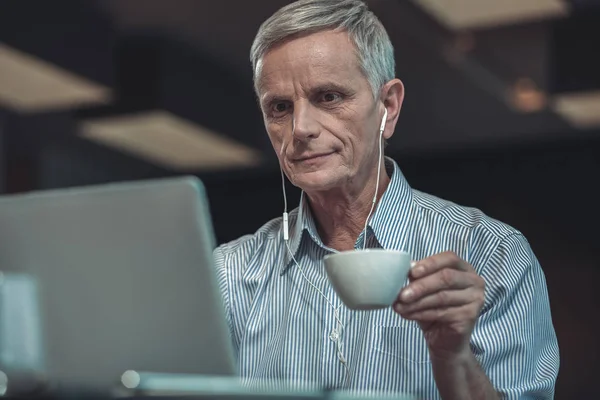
point(373, 46)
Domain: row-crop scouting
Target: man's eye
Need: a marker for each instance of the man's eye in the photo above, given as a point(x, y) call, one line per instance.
point(279, 108)
point(330, 97)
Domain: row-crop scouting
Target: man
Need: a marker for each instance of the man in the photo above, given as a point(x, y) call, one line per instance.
point(474, 322)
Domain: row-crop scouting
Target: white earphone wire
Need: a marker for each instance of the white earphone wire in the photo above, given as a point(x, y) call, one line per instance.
point(285, 206)
point(381, 129)
point(340, 325)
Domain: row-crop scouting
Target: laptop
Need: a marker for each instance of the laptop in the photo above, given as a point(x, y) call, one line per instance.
point(123, 280)
point(112, 289)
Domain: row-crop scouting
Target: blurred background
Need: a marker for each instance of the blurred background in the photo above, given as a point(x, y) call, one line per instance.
point(502, 113)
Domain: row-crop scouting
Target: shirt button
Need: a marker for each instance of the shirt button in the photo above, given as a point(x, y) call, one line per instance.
point(333, 336)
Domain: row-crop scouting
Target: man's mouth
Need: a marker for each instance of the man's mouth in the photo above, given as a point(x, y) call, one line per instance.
point(312, 157)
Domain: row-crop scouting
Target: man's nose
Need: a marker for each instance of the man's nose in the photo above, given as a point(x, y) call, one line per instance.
point(304, 124)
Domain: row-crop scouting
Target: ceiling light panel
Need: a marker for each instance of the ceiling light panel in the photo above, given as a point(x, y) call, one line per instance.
point(475, 14)
point(167, 140)
point(29, 84)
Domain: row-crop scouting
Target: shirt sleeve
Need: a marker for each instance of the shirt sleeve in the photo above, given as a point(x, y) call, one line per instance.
point(223, 282)
point(514, 338)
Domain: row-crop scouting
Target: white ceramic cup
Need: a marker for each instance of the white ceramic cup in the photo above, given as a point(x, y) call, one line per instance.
point(368, 279)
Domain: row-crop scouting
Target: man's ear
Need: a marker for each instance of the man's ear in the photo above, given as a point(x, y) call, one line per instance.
point(392, 96)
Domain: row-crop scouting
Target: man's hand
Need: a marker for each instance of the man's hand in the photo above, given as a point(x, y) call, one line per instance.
point(445, 297)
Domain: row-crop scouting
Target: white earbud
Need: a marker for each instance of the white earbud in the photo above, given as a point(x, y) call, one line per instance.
point(286, 232)
point(383, 121)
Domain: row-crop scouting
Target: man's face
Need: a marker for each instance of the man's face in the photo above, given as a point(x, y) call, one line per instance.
point(319, 112)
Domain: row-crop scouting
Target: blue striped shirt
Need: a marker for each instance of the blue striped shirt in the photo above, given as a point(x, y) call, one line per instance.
point(282, 328)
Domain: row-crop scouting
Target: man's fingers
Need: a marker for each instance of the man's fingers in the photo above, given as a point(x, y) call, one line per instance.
point(442, 299)
point(445, 315)
point(445, 279)
point(431, 265)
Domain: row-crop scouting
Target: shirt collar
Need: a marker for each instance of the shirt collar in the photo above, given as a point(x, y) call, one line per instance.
point(303, 224)
point(391, 220)
point(389, 223)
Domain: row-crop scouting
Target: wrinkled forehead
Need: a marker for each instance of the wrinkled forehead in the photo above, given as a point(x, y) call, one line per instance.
point(318, 57)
